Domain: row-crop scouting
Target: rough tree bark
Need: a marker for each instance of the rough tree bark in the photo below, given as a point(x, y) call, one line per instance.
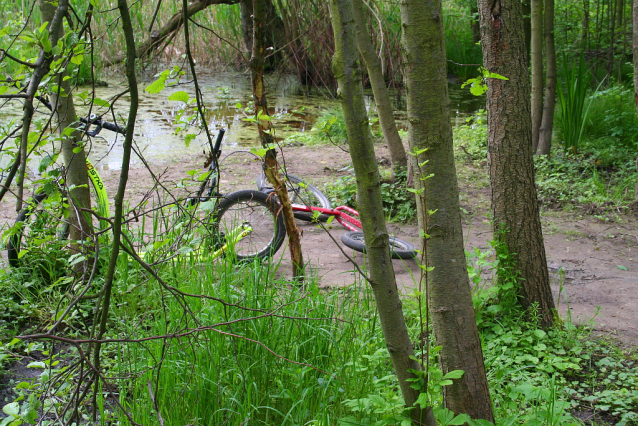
point(430, 134)
point(511, 167)
point(271, 168)
point(547, 125)
point(380, 91)
point(76, 175)
point(346, 69)
point(274, 33)
point(537, 70)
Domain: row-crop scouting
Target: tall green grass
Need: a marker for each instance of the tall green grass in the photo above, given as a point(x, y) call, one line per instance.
point(277, 355)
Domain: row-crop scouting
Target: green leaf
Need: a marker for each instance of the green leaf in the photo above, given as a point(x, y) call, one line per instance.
point(36, 364)
point(12, 409)
point(238, 105)
point(44, 41)
point(188, 139)
point(180, 96)
point(330, 219)
point(159, 84)
point(622, 268)
point(77, 59)
point(101, 102)
point(454, 374)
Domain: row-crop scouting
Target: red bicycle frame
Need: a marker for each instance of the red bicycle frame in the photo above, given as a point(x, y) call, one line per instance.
point(340, 213)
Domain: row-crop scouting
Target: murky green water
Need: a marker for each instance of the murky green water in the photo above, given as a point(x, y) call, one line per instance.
point(155, 131)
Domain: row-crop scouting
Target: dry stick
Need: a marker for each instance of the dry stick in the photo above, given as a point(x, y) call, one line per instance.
point(119, 197)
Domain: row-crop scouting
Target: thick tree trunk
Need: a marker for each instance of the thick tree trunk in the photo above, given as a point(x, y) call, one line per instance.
point(380, 90)
point(430, 133)
point(77, 176)
point(382, 280)
point(271, 168)
point(511, 167)
point(547, 125)
point(537, 70)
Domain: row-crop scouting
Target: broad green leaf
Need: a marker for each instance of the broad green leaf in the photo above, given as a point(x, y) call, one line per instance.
point(77, 59)
point(622, 268)
point(36, 364)
point(179, 96)
point(454, 374)
point(101, 102)
point(159, 84)
point(188, 139)
point(12, 409)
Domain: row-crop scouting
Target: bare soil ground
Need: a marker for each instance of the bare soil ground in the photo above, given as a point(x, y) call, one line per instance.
point(593, 263)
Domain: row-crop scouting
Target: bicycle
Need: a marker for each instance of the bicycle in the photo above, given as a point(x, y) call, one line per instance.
point(303, 196)
point(246, 222)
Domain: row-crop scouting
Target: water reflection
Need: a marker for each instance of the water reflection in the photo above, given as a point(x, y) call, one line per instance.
point(227, 98)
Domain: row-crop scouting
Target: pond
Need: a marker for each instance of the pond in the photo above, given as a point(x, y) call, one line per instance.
point(227, 98)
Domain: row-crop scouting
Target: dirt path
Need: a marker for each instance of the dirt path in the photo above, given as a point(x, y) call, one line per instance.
point(594, 265)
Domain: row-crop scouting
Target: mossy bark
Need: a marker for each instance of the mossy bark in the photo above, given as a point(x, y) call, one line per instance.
point(510, 160)
point(430, 136)
point(271, 168)
point(76, 175)
point(380, 91)
point(346, 69)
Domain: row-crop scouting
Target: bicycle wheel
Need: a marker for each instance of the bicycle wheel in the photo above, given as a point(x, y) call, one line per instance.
point(399, 249)
point(302, 193)
point(255, 211)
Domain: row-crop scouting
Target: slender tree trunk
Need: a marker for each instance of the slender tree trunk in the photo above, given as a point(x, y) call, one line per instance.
point(382, 280)
point(527, 24)
point(247, 23)
point(430, 134)
point(635, 50)
point(77, 176)
point(476, 25)
point(271, 168)
point(585, 26)
point(380, 90)
point(547, 125)
point(514, 204)
point(537, 70)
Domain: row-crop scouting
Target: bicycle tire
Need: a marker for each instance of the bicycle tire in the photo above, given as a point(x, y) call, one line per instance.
point(302, 193)
point(399, 249)
point(261, 212)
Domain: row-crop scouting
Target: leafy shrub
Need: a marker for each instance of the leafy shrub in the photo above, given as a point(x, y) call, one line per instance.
point(398, 202)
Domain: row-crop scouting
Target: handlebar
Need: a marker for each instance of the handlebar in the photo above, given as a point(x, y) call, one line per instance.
point(218, 142)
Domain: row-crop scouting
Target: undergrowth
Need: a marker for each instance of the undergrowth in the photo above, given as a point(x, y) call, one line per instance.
point(599, 179)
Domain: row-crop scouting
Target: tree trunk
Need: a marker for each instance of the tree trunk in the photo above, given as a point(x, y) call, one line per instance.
point(380, 90)
point(585, 26)
point(511, 167)
point(547, 125)
point(537, 70)
point(527, 24)
point(76, 175)
point(271, 168)
point(247, 23)
point(635, 50)
point(382, 280)
point(430, 134)
point(476, 25)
